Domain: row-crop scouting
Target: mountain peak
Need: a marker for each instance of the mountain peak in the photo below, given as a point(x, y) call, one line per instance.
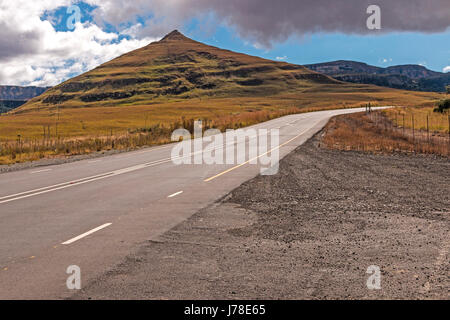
point(178, 66)
point(174, 35)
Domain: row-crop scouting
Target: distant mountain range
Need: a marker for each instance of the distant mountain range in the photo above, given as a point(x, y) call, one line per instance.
point(12, 97)
point(20, 93)
point(179, 69)
point(407, 77)
point(175, 80)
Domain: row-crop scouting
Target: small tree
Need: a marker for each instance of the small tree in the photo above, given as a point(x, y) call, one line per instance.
point(442, 106)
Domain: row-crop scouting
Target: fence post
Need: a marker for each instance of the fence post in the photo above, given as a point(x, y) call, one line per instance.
point(403, 124)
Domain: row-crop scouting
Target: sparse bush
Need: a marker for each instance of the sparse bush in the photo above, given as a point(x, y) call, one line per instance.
point(442, 106)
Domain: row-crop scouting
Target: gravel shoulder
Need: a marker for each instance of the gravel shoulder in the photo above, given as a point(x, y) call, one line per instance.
point(309, 232)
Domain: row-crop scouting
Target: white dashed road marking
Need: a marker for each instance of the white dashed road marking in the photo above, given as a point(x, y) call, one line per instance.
point(81, 236)
point(175, 194)
point(39, 171)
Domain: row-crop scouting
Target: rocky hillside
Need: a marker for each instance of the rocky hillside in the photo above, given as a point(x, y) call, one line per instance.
point(408, 77)
point(179, 68)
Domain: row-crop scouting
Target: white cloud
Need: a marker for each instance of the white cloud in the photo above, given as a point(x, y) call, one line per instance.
point(267, 21)
point(446, 69)
point(32, 52)
point(281, 58)
point(133, 31)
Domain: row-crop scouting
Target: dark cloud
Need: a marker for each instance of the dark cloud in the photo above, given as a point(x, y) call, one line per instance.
point(278, 19)
point(263, 21)
point(16, 43)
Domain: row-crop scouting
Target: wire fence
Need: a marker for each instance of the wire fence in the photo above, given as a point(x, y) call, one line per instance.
point(416, 129)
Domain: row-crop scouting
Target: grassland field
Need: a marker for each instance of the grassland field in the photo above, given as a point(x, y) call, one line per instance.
point(137, 99)
point(99, 121)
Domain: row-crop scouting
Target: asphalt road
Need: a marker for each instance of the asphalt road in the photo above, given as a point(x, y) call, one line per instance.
point(93, 213)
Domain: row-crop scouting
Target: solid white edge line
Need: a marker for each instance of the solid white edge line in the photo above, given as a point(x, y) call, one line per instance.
point(81, 236)
point(65, 185)
point(49, 187)
point(175, 194)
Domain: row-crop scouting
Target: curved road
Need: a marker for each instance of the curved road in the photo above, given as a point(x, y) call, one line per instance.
point(93, 213)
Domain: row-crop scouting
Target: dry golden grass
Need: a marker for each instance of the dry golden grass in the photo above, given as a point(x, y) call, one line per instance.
point(49, 132)
point(94, 121)
point(375, 134)
point(421, 118)
point(23, 149)
point(156, 86)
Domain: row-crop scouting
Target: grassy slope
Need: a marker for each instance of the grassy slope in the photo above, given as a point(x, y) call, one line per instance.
point(180, 77)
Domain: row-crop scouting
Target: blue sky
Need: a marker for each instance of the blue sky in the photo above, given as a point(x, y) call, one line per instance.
point(430, 50)
point(38, 48)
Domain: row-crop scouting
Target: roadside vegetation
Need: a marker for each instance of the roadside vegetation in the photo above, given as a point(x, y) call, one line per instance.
point(376, 132)
point(424, 119)
point(139, 98)
point(443, 106)
point(62, 132)
point(24, 149)
point(55, 131)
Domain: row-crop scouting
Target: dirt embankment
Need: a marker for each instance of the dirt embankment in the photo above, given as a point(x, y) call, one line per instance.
point(309, 232)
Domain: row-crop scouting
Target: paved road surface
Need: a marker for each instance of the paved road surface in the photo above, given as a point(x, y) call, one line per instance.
point(92, 213)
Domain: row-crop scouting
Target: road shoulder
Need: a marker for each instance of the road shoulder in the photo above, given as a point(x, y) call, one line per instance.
point(309, 232)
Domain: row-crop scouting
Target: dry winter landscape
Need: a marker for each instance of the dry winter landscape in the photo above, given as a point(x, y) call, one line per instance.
point(225, 159)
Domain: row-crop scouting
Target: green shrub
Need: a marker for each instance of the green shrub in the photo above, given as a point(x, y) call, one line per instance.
point(442, 106)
